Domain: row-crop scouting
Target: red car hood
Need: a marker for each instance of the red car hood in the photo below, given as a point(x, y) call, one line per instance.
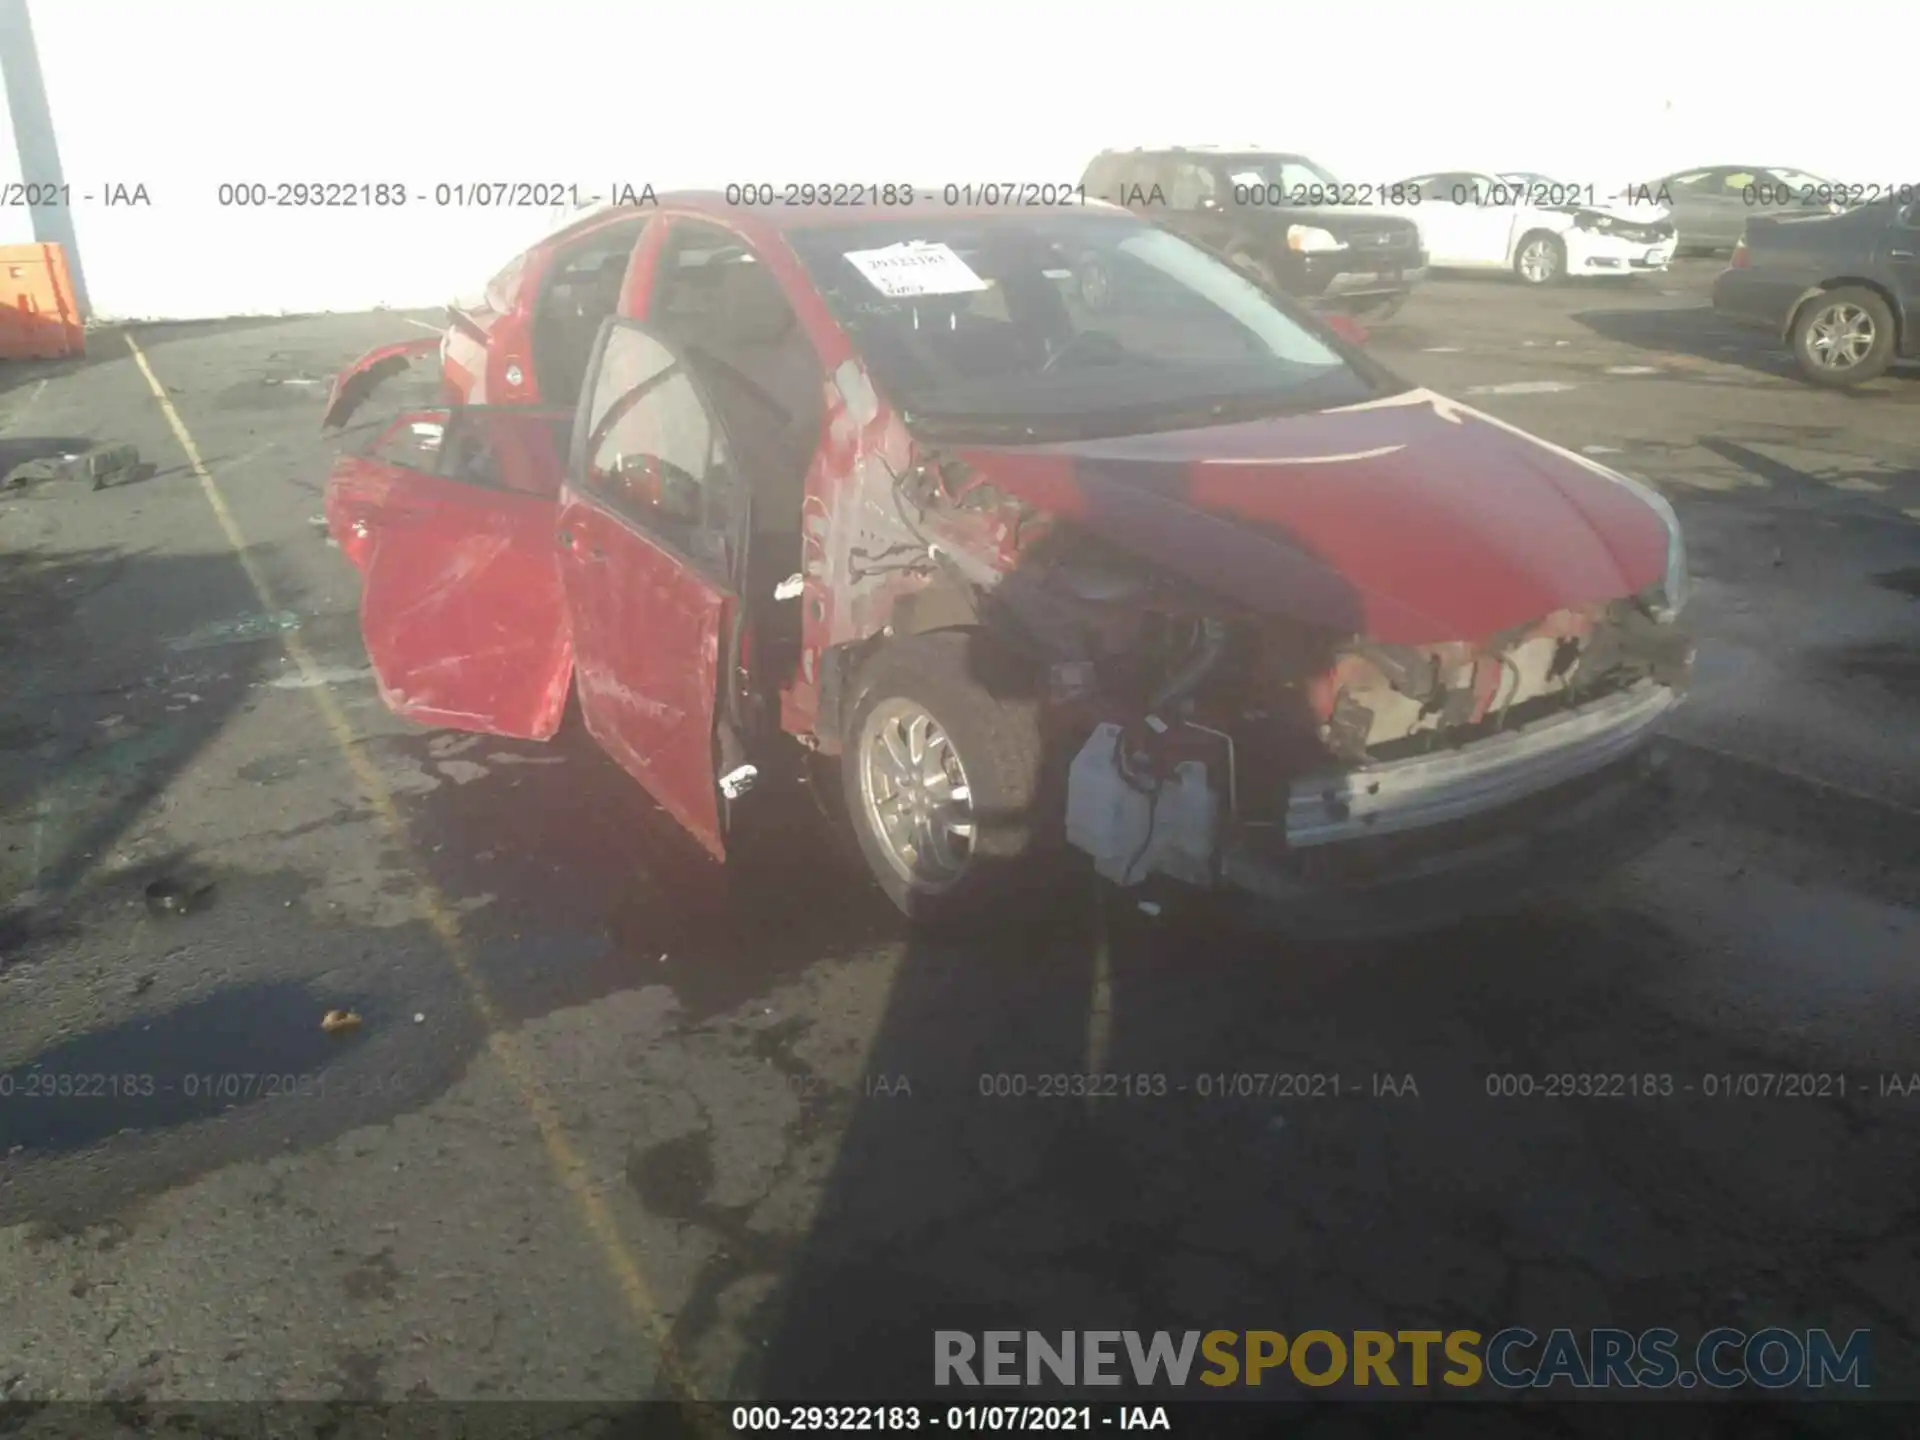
point(1410, 519)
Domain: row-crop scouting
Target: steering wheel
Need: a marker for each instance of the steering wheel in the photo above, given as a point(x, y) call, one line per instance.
point(1099, 347)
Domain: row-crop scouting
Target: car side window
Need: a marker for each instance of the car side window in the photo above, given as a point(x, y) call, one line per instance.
point(413, 442)
point(1694, 182)
point(1193, 185)
point(652, 452)
point(1438, 188)
point(1143, 173)
point(590, 274)
point(510, 448)
point(1102, 177)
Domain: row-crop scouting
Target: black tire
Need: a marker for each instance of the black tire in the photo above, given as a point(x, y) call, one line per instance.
point(1853, 305)
point(1553, 253)
point(987, 706)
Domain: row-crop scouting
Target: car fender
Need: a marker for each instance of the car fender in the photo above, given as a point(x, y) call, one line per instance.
point(1530, 221)
point(1901, 320)
point(354, 385)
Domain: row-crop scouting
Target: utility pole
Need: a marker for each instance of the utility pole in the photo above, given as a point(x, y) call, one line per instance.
point(33, 137)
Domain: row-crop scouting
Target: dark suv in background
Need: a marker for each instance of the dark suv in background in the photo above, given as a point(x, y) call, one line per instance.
point(1278, 217)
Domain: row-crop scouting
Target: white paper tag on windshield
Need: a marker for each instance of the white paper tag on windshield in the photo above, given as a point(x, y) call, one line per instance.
point(916, 267)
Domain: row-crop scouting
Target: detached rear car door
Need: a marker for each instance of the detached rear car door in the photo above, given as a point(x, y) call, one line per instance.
point(448, 515)
point(652, 534)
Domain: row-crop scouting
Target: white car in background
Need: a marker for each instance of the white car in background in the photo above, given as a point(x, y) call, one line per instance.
point(1540, 229)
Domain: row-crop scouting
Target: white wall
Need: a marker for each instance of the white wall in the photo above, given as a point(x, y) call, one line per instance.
point(184, 95)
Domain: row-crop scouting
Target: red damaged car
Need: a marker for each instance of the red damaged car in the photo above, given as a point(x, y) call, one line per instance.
point(1188, 583)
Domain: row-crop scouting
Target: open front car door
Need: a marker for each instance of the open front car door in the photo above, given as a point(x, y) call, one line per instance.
point(653, 526)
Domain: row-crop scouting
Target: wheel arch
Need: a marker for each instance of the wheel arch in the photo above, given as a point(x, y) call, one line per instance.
point(842, 667)
point(1544, 232)
point(1860, 282)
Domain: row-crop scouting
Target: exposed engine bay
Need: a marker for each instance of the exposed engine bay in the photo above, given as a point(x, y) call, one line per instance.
point(1197, 723)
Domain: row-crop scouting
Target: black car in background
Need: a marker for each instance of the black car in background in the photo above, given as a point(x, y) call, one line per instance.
point(1842, 290)
point(1278, 217)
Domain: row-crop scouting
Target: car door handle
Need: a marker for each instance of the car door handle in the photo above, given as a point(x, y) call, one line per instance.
point(569, 542)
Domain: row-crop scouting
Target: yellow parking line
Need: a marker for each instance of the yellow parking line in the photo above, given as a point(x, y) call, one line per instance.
point(569, 1167)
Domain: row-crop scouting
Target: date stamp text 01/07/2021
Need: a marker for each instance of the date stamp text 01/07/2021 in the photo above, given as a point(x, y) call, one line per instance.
point(574, 195)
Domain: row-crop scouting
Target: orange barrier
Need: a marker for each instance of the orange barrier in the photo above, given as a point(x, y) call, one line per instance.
point(38, 317)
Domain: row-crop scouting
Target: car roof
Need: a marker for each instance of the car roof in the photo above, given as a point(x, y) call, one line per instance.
point(1702, 169)
point(714, 203)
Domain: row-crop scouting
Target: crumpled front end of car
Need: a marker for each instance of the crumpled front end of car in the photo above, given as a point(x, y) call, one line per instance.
point(1370, 787)
point(1344, 784)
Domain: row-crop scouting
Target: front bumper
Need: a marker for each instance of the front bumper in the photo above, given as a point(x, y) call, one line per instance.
point(1638, 807)
point(1415, 844)
point(1339, 276)
point(1595, 252)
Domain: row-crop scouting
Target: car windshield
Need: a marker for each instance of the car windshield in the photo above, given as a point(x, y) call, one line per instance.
point(1286, 172)
point(1066, 324)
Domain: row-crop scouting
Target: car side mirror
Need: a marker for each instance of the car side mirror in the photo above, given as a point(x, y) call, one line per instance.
point(1346, 327)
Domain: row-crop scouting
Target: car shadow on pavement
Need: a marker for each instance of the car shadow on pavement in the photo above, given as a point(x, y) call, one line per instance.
point(99, 718)
point(1016, 1147)
point(1890, 489)
point(1695, 331)
point(1119, 1116)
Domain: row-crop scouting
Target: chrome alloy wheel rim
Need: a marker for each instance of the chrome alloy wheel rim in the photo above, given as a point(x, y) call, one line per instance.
point(1536, 261)
point(1840, 337)
point(914, 788)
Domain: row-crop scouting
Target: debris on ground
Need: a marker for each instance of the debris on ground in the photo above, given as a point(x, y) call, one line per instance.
point(334, 1021)
point(1147, 907)
point(258, 626)
point(172, 896)
point(419, 1018)
point(100, 465)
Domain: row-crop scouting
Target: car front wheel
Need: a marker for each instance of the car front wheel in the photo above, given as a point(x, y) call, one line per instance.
point(1844, 337)
point(942, 771)
point(1541, 259)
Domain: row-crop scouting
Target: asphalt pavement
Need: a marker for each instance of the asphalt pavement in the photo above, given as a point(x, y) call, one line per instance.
point(615, 1124)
